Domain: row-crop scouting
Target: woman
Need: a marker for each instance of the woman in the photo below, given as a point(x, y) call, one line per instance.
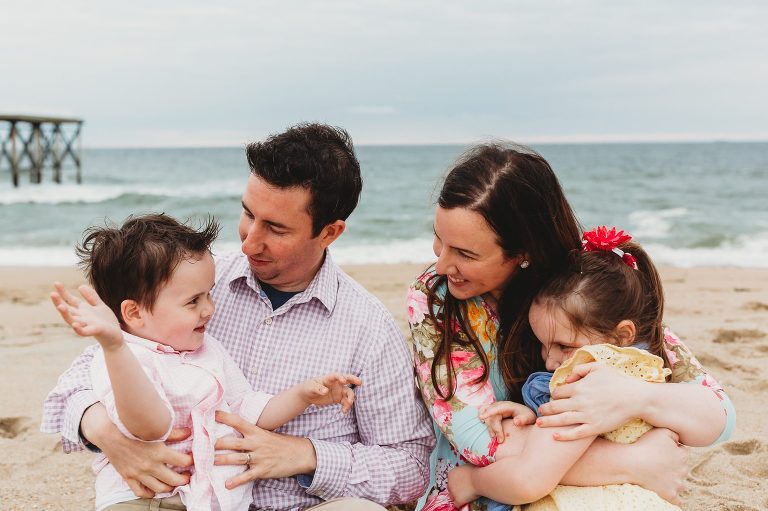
point(502, 228)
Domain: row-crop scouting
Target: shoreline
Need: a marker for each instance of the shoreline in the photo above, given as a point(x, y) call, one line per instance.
point(720, 312)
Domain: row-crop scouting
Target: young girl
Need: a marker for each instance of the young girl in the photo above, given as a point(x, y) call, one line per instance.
point(608, 309)
point(157, 368)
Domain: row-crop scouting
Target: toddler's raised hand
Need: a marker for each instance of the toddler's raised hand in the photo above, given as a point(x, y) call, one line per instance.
point(88, 316)
point(492, 414)
point(330, 389)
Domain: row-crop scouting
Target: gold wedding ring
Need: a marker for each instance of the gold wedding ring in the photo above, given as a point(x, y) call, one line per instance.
point(247, 458)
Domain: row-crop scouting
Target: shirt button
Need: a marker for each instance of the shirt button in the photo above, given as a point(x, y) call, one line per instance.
point(268, 321)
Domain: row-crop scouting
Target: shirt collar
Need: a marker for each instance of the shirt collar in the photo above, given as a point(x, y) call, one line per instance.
point(150, 345)
point(324, 286)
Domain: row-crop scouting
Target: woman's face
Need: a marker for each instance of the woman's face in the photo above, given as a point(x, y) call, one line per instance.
point(468, 254)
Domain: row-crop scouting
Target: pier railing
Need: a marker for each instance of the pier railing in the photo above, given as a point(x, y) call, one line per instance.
point(33, 143)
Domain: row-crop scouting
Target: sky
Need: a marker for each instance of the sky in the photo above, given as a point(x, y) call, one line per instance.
point(192, 73)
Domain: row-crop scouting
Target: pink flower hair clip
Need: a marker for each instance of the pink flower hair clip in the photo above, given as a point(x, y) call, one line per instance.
point(600, 238)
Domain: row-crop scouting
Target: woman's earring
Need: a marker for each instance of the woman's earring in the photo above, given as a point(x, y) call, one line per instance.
point(524, 264)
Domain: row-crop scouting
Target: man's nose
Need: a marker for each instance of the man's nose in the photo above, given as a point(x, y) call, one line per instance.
point(254, 240)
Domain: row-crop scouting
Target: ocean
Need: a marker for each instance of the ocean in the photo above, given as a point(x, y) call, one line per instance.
point(697, 204)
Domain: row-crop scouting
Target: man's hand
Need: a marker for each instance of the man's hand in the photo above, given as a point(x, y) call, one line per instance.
point(330, 389)
point(595, 399)
point(492, 415)
point(460, 485)
point(143, 465)
point(89, 316)
point(268, 455)
point(661, 464)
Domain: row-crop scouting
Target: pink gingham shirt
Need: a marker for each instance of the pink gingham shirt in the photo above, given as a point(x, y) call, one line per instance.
point(193, 385)
point(379, 451)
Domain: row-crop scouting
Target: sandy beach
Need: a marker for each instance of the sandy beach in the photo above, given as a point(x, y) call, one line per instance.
point(721, 313)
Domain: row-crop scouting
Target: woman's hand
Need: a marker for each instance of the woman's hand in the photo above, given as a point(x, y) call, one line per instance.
point(460, 485)
point(661, 464)
point(143, 465)
point(597, 399)
point(493, 413)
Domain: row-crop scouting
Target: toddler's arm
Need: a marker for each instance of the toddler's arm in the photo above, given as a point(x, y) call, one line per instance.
point(325, 390)
point(138, 404)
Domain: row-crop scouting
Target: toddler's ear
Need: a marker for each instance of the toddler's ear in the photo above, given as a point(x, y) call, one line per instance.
point(131, 313)
point(626, 332)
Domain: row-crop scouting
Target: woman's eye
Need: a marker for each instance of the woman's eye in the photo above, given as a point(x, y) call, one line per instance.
point(464, 255)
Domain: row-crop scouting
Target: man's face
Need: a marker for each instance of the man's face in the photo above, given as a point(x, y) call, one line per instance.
point(276, 231)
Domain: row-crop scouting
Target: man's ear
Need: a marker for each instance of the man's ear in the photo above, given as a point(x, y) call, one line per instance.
point(331, 232)
point(626, 332)
point(132, 314)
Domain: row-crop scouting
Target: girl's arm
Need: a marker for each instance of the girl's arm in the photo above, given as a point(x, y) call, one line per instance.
point(139, 406)
point(694, 406)
point(519, 478)
point(325, 390)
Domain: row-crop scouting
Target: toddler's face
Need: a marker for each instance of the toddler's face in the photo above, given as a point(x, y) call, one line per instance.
point(557, 336)
point(183, 306)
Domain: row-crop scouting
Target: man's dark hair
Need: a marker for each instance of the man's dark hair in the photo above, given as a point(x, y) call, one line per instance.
point(317, 157)
point(133, 261)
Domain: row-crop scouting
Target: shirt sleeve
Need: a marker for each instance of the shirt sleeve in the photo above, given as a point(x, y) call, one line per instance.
point(238, 394)
point(65, 405)
point(457, 417)
point(687, 369)
point(102, 390)
point(390, 463)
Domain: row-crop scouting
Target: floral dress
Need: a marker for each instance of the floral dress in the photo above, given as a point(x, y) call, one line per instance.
point(461, 437)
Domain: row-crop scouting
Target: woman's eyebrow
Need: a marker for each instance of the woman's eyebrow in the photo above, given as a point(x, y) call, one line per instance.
point(475, 254)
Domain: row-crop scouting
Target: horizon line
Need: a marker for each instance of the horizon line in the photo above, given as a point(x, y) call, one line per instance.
point(466, 143)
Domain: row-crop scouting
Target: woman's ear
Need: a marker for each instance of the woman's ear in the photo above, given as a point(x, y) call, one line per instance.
point(626, 332)
point(132, 314)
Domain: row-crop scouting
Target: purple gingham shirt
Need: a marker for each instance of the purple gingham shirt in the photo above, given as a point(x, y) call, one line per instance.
point(379, 451)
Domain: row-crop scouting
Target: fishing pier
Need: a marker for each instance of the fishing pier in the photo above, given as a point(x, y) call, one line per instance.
point(33, 143)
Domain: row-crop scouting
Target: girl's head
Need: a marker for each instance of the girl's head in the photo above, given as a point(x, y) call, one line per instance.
point(612, 294)
point(502, 228)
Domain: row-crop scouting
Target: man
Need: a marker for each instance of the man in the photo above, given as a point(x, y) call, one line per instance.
point(285, 312)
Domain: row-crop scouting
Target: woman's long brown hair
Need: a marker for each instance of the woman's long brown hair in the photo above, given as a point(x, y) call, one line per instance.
point(515, 190)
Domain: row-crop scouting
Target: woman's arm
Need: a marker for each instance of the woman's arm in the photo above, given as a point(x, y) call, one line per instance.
point(457, 417)
point(657, 462)
point(695, 406)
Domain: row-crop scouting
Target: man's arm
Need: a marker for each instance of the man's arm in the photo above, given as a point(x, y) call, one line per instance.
point(72, 403)
point(67, 402)
point(390, 463)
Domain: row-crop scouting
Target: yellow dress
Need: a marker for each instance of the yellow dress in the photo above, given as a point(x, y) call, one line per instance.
point(633, 362)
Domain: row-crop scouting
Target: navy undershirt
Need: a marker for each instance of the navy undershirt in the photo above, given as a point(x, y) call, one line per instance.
point(277, 297)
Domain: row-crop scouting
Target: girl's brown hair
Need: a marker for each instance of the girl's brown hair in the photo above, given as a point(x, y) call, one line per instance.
point(515, 190)
point(600, 290)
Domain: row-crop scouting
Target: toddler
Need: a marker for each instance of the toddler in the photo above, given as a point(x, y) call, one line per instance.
point(157, 369)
